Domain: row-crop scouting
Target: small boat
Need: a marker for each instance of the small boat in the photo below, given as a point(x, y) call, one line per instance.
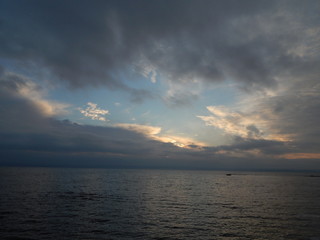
point(228, 174)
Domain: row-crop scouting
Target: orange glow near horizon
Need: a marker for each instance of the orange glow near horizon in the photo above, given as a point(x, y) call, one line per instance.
point(302, 156)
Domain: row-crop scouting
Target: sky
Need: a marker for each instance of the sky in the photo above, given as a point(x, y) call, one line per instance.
point(175, 84)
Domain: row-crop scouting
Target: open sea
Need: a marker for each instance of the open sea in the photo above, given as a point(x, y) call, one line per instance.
point(66, 203)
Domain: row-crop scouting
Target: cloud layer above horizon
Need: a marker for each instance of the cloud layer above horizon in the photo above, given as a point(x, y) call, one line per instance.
point(161, 64)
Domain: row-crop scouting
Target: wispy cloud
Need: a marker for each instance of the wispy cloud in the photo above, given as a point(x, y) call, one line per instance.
point(301, 156)
point(94, 112)
point(233, 122)
point(139, 128)
point(146, 69)
point(25, 88)
point(154, 133)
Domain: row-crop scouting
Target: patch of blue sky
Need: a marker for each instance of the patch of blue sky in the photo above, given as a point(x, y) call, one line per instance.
point(179, 120)
point(27, 70)
point(117, 102)
point(221, 94)
point(79, 98)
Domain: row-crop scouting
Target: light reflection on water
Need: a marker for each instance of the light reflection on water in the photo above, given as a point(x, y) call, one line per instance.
point(44, 203)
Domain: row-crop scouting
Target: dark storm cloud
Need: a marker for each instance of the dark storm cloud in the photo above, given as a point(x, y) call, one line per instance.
point(89, 43)
point(296, 115)
point(239, 144)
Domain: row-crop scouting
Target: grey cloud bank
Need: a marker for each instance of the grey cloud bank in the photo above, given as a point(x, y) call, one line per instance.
point(89, 43)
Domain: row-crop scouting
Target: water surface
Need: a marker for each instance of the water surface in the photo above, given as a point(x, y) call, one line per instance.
point(52, 203)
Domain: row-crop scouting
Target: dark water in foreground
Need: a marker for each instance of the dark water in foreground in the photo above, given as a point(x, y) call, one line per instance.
point(47, 203)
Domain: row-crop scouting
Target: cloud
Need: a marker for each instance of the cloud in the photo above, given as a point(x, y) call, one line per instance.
point(93, 112)
point(25, 89)
point(301, 156)
point(39, 140)
point(252, 147)
point(233, 122)
point(143, 129)
point(294, 115)
point(147, 70)
point(154, 133)
point(28, 134)
point(289, 114)
point(262, 47)
point(182, 95)
point(91, 43)
point(182, 142)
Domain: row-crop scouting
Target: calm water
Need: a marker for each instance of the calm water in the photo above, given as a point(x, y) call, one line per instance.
point(47, 203)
